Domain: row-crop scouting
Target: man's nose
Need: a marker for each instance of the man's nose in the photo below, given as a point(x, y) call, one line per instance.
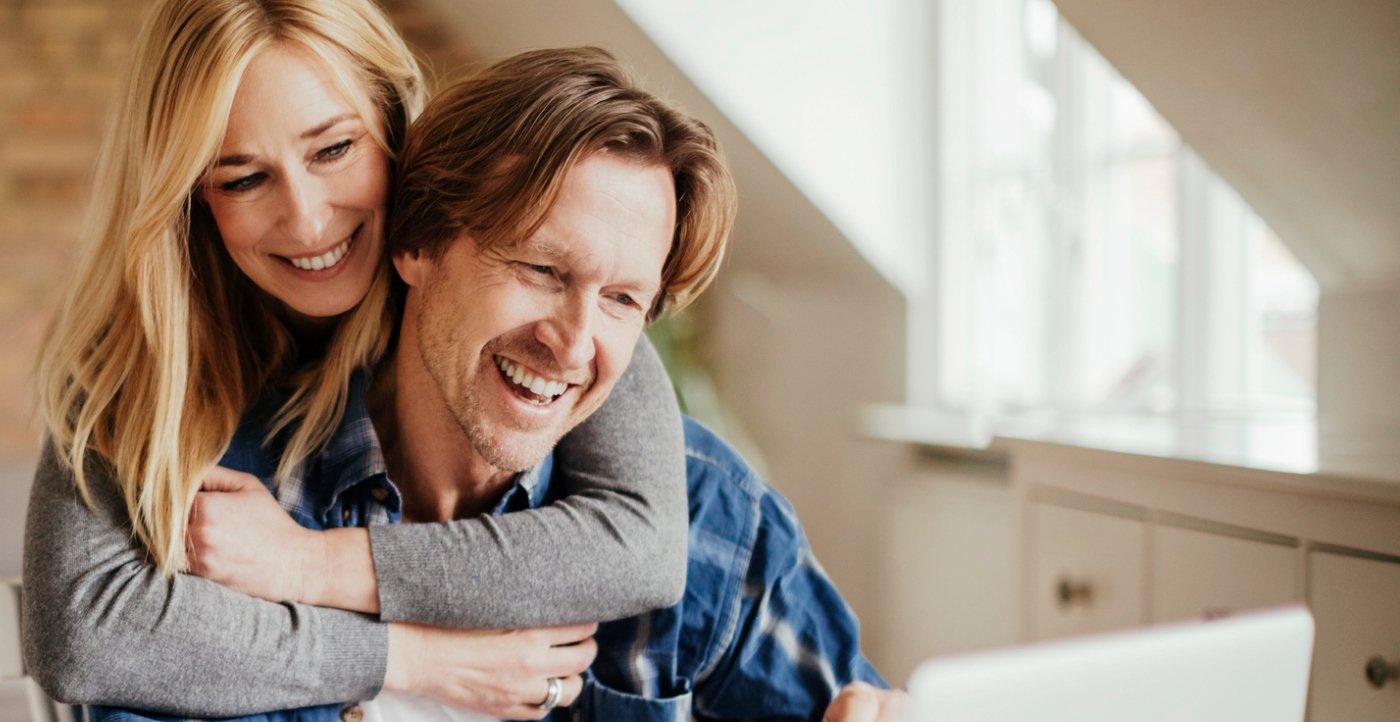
point(306, 209)
point(568, 332)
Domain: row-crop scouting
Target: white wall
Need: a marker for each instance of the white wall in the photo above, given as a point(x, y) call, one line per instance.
point(1359, 381)
point(15, 476)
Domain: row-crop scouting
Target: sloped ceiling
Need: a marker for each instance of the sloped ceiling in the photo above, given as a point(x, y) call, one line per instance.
point(1294, 102)
point(780, 233)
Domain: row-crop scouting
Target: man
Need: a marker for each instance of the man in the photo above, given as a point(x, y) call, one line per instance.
point(601, 241)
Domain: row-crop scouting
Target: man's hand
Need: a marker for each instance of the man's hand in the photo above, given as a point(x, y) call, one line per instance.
point(502, 674)
point(860, 702)
point(241, 538)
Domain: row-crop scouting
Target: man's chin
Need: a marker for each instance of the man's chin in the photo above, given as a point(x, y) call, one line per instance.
point(515, 452)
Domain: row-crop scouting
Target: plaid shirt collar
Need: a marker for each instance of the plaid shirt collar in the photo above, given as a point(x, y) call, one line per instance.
point(341, 486)
point(530, 490)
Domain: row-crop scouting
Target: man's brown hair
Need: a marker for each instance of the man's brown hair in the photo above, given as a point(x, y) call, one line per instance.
point(488, 156)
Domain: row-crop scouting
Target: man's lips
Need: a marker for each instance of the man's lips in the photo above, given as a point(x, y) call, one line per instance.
point(529, 384)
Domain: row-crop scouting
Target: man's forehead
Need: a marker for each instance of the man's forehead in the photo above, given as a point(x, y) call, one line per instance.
point(594, 217)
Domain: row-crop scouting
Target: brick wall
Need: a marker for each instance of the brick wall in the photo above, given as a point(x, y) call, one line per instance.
point(60, 64)
point(59, 61)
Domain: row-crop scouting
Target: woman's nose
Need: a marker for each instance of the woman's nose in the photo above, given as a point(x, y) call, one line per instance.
point(307, 210)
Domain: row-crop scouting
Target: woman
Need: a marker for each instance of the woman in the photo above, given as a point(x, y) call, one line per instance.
point(214, 285)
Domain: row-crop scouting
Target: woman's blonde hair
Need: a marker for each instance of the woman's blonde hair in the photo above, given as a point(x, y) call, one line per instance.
point(161, 342)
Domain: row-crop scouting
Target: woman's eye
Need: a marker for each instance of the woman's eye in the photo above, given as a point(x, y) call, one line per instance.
point(540, 269)
point(624, 299)
point(335, 151)
point(247, 182)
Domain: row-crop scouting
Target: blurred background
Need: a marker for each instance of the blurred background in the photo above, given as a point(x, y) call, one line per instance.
point(1172, 228)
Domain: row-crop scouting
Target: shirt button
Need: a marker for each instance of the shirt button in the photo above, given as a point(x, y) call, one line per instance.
point(345, 517)
point(380, 494)
point(353, 713)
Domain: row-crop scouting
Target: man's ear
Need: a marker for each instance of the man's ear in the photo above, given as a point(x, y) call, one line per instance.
point(412, 266)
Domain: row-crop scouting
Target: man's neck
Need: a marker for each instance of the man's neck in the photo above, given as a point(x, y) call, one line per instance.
point(430, 458)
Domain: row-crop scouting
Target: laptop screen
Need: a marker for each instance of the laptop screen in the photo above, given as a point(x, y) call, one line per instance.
point(1241, 668)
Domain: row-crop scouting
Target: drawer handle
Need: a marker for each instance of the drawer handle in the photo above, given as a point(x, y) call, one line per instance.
point(1379, 671)
point(1070, 592)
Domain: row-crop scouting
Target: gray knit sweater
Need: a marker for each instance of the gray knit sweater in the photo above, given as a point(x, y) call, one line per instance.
point(102, 626)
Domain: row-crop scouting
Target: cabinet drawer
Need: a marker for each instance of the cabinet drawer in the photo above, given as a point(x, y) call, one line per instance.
point(1356, 603)
point(1085, 571)
point(1196, 573)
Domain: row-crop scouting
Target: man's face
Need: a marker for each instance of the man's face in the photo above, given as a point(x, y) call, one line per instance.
point(526, 341)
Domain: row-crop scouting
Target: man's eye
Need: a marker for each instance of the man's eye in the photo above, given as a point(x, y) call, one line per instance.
point(625, 299)
point(540, 269)
point(246, 183)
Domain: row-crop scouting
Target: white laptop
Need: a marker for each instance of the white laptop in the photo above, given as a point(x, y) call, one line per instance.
point(1244, 668)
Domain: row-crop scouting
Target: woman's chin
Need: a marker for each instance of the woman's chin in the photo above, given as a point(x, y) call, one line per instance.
point(315, 314)
point(324, 302)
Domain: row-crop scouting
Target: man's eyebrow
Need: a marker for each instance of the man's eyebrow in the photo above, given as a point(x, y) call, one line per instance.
point(542, 246)
point(309, 134)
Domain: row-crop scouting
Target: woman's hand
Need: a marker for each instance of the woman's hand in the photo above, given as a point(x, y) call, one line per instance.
point(503, 674)
point(240, 537)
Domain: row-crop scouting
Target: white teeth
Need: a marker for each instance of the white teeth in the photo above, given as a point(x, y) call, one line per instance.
point(325, 260)
point(537, 385)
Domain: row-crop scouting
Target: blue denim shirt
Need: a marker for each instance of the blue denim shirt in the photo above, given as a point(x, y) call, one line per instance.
point(760, 633)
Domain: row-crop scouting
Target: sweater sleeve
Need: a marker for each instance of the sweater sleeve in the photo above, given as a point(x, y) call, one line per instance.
point(614, 547)
point(101, 625)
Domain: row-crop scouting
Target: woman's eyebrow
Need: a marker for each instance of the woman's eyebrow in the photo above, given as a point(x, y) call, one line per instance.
point(318, 129)
point(233, 160)
point(328, 124)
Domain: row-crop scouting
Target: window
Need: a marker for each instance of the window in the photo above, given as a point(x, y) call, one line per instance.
point(1086, 260)
point(1061, 248)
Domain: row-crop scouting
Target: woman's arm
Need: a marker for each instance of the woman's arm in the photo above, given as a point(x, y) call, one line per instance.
point(614, 547)
point(102, 625)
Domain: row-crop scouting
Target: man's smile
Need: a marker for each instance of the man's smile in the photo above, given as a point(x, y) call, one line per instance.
point(530, 385)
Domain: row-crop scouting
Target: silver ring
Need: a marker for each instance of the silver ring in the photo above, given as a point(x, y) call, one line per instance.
point(556, 691)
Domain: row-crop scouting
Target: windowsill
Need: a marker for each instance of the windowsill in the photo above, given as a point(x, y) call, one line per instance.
point(1280, 444)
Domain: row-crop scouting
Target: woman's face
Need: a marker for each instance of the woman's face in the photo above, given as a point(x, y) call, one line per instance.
point(298, 188)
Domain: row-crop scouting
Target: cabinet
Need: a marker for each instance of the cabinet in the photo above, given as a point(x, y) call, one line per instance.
point(1096, 570)
point(1087, 576)
point(1112, 540)
point(1356, 606)
point(1199, 573)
